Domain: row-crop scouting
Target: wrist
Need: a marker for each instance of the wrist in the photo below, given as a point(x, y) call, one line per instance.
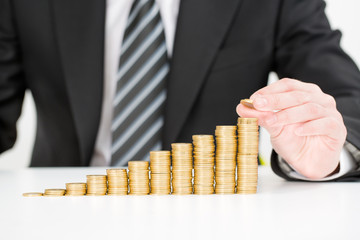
point(337, 170)
point(285, 170)
point(316, 169)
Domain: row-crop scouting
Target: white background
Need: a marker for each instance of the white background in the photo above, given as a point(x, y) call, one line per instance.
point(343, 15)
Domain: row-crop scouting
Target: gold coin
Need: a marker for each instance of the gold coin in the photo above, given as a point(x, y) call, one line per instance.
point(116, 171)
point(96, 177)
point(33, 194)
point(137, 165)
point(71, 186)
point(247, 103)
point(54, 192)
point(181, 145)
point(118, 194)
point(247, 121)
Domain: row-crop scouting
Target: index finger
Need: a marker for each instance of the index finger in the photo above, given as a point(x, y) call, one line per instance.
point(286, 85)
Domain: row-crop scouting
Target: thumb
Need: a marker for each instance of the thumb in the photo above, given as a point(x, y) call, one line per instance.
point(266, 119)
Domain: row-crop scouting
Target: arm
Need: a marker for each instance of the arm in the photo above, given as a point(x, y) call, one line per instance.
point(12, 86)
point(307, 49)
point(309, 131)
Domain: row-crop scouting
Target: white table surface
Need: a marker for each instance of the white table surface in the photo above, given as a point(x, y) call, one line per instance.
point(280, 210)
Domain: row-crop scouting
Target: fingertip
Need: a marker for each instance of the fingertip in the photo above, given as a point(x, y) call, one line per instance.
point(238, 109)
point(260, 102)
point(243, 111)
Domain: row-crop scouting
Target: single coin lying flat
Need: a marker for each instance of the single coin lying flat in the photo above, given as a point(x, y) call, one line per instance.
point(247, 103)
point(32, 194)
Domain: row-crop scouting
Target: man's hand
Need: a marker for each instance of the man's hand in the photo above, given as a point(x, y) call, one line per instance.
point(305, 127)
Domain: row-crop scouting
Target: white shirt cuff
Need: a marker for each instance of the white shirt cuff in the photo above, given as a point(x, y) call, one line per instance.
point(347, 164)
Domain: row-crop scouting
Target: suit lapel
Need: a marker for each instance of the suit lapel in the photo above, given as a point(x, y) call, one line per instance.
point(201, 28)
point(79, 29)
point(79, 26)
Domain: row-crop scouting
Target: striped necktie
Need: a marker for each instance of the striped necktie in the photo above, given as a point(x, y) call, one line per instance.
point(140, 89)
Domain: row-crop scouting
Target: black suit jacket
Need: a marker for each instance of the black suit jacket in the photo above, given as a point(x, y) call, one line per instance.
point(223, 51)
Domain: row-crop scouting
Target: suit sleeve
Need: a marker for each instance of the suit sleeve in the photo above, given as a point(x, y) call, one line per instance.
point(309, 50)
point(12, 85)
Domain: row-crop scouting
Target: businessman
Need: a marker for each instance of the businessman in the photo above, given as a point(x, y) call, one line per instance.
point(113, 80)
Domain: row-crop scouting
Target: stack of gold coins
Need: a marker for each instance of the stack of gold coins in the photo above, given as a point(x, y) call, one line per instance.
point(117, 181)
point(204, 149)
point(54, 192)
point(247, 159)
point(139, 178)
point(225, 162)
point(75, 189)
point(182, 164)
point(160, 168)
point(96, 185)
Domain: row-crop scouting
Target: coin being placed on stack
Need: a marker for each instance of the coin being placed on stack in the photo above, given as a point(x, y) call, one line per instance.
point(138, 178)
point(117, 181)
point(182, 164)
point(54, 192)
point(96, 185)
point(160, 169)
point(247, 158)
point(75, 189)
point(204, 151)
point(248, 103)
point(225, 160)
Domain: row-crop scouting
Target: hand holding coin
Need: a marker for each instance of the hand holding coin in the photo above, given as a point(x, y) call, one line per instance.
point(305, 127)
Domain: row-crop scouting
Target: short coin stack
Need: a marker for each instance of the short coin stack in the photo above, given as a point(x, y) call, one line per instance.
point(225, 159)
point(54, 192)
point(204, 150)
point(247, 162)
point(160, 168)
point(75, 189)
point(182, 164)
point(117, 181)
point(96, 185)
point(139, 178)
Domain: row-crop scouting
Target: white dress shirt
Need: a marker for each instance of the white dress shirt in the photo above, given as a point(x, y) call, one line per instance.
point(117, 12)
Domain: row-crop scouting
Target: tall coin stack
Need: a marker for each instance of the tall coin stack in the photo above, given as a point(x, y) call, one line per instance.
point(75, 189)
point(96, 185)
point(225, 163)
point(117, 181)
point(160, 172)
point(204, 150)
point(247, 159)
point(182, 164)
point(139, 178)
